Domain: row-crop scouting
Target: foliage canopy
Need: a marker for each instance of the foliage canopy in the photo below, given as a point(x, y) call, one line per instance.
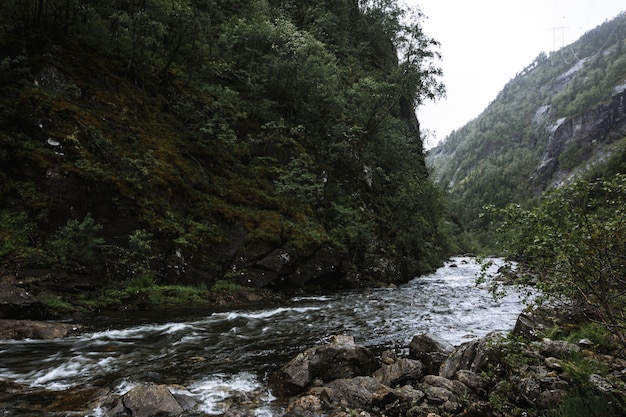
point(293, 120)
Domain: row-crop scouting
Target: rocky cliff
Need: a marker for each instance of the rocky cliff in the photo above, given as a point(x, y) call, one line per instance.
point(556, 120)
point(244, 153)
point(588, 135)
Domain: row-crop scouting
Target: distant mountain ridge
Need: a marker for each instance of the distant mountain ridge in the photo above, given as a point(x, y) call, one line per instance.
point(561, 117)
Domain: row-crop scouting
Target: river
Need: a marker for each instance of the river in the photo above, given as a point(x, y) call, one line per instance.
point(223, 355)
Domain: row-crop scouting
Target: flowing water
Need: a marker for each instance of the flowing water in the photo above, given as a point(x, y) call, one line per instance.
point(221, 357)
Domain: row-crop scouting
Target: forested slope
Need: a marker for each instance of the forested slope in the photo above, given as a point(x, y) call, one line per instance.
point(258, 143)
point(562, 117)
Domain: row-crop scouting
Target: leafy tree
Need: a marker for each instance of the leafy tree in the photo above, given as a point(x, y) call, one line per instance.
point(576, 242)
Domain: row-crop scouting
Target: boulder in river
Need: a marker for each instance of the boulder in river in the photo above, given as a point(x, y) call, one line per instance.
point(398, 372)
point(342, 358)
point(147, 400)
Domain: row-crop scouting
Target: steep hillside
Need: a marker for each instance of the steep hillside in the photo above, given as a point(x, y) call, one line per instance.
point(561, 117)
point(263, 144)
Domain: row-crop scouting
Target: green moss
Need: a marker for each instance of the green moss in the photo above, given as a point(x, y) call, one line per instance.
point(225, 285)
point(56, 305)
point(177, 295)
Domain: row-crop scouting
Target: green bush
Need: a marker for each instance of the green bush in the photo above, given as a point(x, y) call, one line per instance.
point(575, 242)
point(587, 403)
point(77, 243)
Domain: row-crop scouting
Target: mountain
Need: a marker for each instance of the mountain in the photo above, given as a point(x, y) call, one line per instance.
point(561, 117)
point(265, 144)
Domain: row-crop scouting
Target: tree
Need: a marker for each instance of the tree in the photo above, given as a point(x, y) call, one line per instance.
point(576, 243)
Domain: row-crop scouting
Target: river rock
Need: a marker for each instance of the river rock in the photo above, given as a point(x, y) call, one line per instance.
point(77, 399)
point(447, 395)
point(342, 358)
point(472, 356)
point(431, 350)
point(151, 401)
point(472, 380)
point(399, 372)
point(28, 329)
point(550, 399)
point(559, 349)
point(356, 392)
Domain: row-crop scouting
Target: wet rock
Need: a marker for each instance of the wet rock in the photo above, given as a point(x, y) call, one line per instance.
point(342, 358)
point(472, 380)
point(602, 384)
point(185, 401)
point(431, 350)
point(28, 329)
point(559, 349)
point(116, 409)
point(550, 399)
point(305, 405)
point(447, 395)
point(354, 392)
point(472, 356)
point(151, 401)
point(77, 400)
point(399, 372)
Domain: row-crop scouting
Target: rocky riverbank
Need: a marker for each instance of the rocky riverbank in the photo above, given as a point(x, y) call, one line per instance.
point(519, 374)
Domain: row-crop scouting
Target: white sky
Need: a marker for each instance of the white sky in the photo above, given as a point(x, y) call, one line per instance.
point(484, 43)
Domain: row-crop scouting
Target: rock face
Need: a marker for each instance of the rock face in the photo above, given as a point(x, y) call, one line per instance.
point(585, 132)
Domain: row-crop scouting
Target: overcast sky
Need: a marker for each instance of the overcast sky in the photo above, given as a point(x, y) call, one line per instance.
point(486, 42)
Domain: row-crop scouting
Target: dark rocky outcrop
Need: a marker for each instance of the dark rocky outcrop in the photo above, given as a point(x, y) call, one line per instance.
point(29, 329)
point(399, 371)
point(588, 131)
point(16, 301)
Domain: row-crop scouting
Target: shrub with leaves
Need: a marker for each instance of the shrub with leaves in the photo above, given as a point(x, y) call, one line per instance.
point(77, 243)
point(576, 243)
